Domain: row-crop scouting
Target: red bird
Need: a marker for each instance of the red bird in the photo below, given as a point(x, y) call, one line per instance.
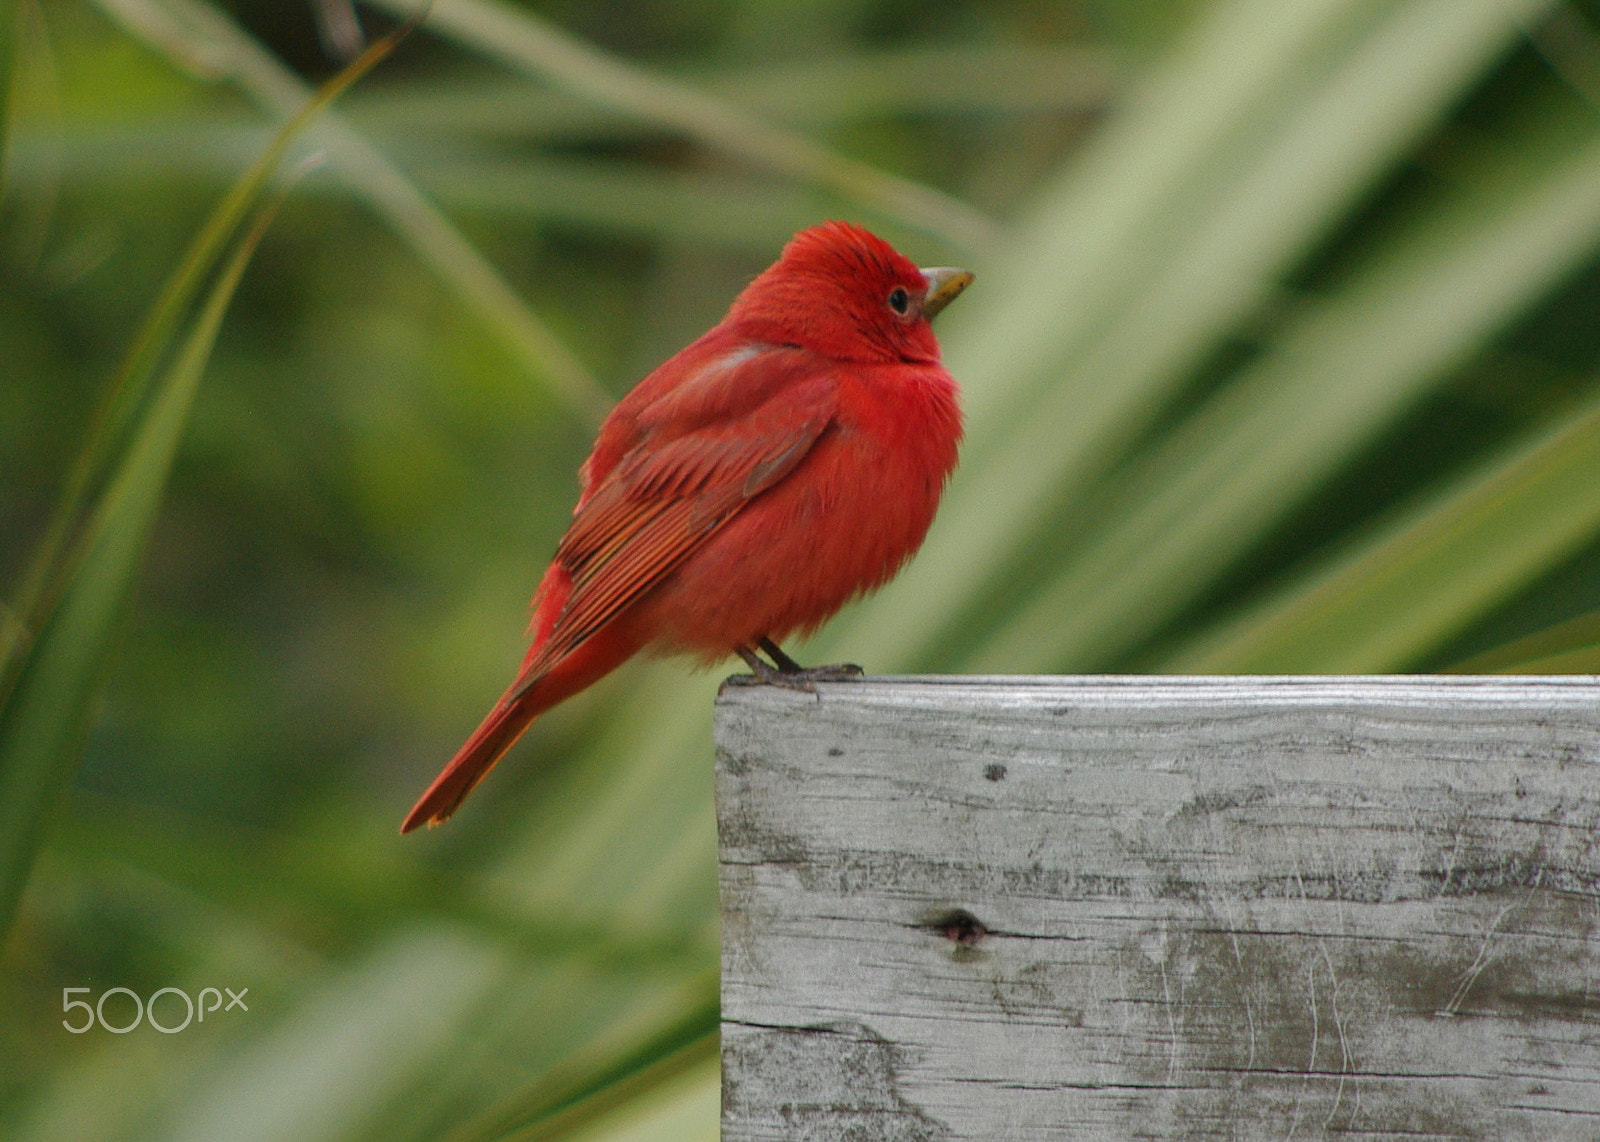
point(788, 461)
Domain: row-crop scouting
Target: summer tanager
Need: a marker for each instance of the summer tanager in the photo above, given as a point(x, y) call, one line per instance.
point(786, 462)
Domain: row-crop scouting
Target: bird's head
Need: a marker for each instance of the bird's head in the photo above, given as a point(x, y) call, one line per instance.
point(844, 292)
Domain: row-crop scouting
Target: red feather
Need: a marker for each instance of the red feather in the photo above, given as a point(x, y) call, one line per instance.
point(789, 460)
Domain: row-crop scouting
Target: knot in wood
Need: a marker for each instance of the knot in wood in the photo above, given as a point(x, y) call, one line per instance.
point(959, 926)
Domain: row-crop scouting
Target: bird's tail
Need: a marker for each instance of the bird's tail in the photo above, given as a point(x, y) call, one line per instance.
point(527, 698)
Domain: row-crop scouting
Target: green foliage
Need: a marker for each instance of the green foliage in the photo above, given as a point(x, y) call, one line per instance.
point(1282, 356)
point(62, 655)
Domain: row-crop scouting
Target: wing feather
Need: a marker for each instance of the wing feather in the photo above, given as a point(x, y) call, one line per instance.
point(693, 465)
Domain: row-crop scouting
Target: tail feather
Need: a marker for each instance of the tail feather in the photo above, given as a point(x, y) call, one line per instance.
point(511, 716)
point(527, 698)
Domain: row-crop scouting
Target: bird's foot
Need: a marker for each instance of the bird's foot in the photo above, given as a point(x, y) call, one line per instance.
point(838, 672)
point(788, 673)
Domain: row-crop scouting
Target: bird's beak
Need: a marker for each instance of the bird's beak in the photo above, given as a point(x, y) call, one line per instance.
point(944, 285)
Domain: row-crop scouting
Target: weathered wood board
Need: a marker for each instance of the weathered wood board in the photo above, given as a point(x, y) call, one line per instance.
point(1127, 908)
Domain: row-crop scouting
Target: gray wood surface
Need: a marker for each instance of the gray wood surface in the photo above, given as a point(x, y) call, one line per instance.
point(1117, 908)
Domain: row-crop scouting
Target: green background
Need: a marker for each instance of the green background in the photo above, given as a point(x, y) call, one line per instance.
point(1282, 357)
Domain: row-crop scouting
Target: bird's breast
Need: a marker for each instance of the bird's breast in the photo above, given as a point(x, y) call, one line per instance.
point(841, 524)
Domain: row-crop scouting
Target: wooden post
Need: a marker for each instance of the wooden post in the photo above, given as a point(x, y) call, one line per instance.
point(1120, 908)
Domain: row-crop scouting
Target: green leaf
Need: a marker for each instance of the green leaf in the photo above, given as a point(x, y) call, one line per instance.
point(587, 1089)
point(50, 566)
point(523, 41)
point(1227, 163)
point(1421, 576)
point(981, 78)
point(1570, 647)
point(10, 48)
point(1339, 374)
point(630, 199)
point(279, 91)
point(48, 711)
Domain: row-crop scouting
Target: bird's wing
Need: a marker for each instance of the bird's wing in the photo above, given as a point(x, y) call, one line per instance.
point(700, 453)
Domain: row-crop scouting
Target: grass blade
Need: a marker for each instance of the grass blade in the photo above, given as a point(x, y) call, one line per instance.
point(562, 1103)
point(10, 48)
point(983, 78)
point(51, 564)
point(1423, 576)
point(630, 1110)
point(47, 712)
point(642, 201)
point(277, 90)
point(1571, 647)
point(523, 41)
point(446, 117)
point(1336, 377)
point(325, 1066)
point(1172, 229)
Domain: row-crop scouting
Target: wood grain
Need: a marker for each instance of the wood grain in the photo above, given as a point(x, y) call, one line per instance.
point(1128, 908)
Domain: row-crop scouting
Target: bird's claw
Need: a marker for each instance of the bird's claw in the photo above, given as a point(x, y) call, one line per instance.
point(791, 676)
point(838, 672)
point(806, 680)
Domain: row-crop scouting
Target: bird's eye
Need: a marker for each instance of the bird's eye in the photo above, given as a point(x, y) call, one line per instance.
point(899, 300)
